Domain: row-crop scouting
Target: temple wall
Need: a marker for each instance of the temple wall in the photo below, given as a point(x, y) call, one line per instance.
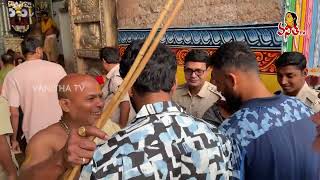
point(143, 13)
point(206, 24)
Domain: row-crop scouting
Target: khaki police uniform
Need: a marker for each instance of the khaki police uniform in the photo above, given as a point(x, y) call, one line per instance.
point(113, 81)
point(309, 97)
point(197, 105)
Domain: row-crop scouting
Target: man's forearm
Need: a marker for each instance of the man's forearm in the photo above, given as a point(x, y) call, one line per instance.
point(5, 157)
point(14, 121)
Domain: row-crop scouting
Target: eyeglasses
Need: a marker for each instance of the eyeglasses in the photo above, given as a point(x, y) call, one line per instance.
point(198, 72)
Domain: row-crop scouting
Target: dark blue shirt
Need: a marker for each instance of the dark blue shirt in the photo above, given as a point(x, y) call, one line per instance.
point(274, 136)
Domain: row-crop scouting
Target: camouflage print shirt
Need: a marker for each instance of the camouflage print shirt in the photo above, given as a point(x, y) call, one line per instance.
point(275, 138)
point(164, 143)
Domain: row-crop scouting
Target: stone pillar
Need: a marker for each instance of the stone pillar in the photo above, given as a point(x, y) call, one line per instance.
point(110, 23)
point(4, 24)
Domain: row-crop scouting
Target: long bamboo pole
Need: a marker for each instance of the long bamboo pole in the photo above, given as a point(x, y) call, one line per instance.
point(112, 105)
point(136, 69)
point(154, 45)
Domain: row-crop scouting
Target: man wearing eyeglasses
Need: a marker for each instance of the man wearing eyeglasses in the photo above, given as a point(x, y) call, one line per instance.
point(197, 95)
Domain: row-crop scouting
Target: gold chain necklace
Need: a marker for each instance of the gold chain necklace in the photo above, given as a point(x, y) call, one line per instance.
point(64, 126)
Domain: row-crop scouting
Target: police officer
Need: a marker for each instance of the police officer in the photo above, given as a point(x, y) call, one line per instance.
point(291, 74)
point(197, 95)
point(110, 60)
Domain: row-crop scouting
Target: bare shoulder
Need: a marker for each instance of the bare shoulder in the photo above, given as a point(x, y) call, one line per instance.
point(42, 136)
point(43, 144)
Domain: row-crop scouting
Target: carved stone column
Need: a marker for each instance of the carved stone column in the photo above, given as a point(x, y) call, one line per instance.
point(1, 20)
point(110, 23)
point(93, 25)
point(4, 24)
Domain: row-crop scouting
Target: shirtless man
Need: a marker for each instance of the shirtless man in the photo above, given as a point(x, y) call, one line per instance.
point(80, 98)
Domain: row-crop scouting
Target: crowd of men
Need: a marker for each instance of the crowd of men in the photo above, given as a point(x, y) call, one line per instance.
point(232, 127)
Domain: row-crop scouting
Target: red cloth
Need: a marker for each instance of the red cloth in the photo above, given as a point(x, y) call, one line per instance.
point(100, 79)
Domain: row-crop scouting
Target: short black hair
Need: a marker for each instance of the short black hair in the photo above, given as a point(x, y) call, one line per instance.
point(7, 58)
point(29, 45)
point(197, 55)
point(235, 54)
point(159, 73)
point(291, 58)
point(109, 55)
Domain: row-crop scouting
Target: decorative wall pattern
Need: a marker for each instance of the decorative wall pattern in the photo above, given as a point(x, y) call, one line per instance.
point(93, 25)
point(90, 36)
point(257, 36)
point(265, 58)
point(261, 38)
point(86, 6)
point(13, 43)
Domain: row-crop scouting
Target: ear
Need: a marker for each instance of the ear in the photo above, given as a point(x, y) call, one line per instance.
point(232, 80)
point(209, 68)
point(65, 105)
point(39, 51)
point(105, 64)
point(305, 72)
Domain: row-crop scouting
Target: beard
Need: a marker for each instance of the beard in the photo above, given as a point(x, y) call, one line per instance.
point(134, 106)
point(233, 101)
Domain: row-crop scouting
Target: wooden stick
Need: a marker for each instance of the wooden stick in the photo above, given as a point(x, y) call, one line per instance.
point(123, 89)
point(127, 81)
point(112, 105)
point(154, 45)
